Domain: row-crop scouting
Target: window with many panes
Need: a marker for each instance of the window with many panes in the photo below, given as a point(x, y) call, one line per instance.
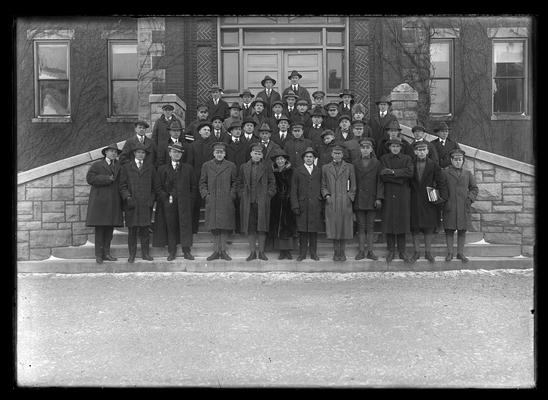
point(52, 72)
point(441, 72)
point(509, 76)
point(123, 78)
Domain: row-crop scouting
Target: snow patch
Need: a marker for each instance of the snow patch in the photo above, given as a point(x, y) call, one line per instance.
point(52, 257)
point(482, 241)
point(87, 244)
point(116, 231)
point(520, 256)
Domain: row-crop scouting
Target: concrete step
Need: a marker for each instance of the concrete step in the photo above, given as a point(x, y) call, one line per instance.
point(120, 237)
point(160, 264)
point(325, 250)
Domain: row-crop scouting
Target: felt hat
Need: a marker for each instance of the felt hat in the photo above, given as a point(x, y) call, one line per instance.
point(393, 125)
point(294, 73)
point(393, 141)
point(277, 153)
point(290, 93)
point(276, 102)
point(217, 116)
point(258, 100)
point(441, 126)
point(142, 123)
point(202, 124)
point(367, 139)
point(140, 146)
point(175, 125)
point(268, 78)
point(265, 128)
point(219, 145)
point(249, 120)
point(358, 122)
point(384, 99)
point(285, 118)
point(309, 150)
point(234, 124)
point(168, 107)
point(248, 92)
point(216, 88)
point(236, 105)
point(337, 147)
point(331, 104)
point(176, 146)
point(318, 112)
point(318, 93)
point(113, 146)
point(345, 116)
point(420, 143)
point(327, 132)
point(296, 124)
point(346, 92)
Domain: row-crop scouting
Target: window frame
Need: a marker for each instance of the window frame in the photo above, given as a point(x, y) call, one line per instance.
point(525, 108)
point(37, 80)
point(110, 59)
point(451, 77)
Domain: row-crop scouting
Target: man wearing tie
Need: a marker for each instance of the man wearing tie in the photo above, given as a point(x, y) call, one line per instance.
point(345, 105)
point(160, 134)
point(174, 130)
point(282, 134)
point(381, 119)
point(444, 144)
point(216, 105)
point(218, 133)
point(268, 94)
point(246, 97)
point(313, 133)
point(268, 145)
point(139, 138)
point(300, 91)
point(420, 137)
point(277, 112)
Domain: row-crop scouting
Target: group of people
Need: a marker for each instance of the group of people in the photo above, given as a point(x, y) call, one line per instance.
point(277, 168)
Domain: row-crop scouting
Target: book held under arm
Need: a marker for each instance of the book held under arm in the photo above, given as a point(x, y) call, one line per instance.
point(433, 194)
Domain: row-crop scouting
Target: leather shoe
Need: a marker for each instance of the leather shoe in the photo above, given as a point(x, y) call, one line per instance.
point(416, 255)
point(171, 257)
point(449, 257)
point(225, 256)
point(314, 257)
point(98, 260)
point(131, 259)
point(390, 256)
point(402, 256)
point(282, 255)
point(252, 256)
point(429, 257)
point(262, 256)
point(188, 256)
point(148, 257)
point(108, 257)
point(360, 255)
point(342, 258)
point(335, 258)
point(372, 256)
point(288, 255)
point(462, 257)
point(301, 257)
point(214, 256)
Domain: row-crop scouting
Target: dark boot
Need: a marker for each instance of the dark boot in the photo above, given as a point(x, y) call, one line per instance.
point(449, 257)
point(132, 244)
point(449, 236)
point(342, 250)
point(390, 256)
point(335, 250)
point(429, 257)
point(186, 254)
point(224, 255)
point(370, 237)
point(361, 246)
point(214, 256)
point(171, 256)
point(462, 257)
point(302, 246)
point(145, 244)
point(262, 256)
point(371, 255)
point(461, 238)
point(288, 255)
point(281, 256)
point(313, 243)
point(252, 256)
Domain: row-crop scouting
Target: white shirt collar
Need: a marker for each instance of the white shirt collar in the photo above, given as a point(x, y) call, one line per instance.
point(309, 168)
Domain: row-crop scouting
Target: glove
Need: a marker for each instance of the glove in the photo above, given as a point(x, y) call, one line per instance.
point(386, 171)
point(378, 204)
point(296, 211)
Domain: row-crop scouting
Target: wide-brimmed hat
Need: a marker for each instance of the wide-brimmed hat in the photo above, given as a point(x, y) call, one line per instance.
point(216, 88)
point(249, 119)
point(268, 78)
point(248, 92)
point(384, 99)
point(265, 128)
point(277, 153)
point(319, 93)
point(346, 92)
point(276, 102)
point(258, 100)
point(294, 73)
point(284, 117)
point(168, 107)
point(309, 150)
point(393, 125)
point(236, 105)
point(176, 146)
point(290, 93)
point(175, 125)
point(202, 124)
point(113, 146)
point(234, 124)
point(143, 123)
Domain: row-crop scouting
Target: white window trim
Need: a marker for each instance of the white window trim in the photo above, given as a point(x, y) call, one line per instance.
point(451, 42)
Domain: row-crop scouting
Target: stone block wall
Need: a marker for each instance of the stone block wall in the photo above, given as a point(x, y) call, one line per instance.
point(51, 212)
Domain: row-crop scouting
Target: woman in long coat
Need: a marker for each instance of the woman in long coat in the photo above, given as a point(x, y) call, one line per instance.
point(338, 189)
point(105, 204)
point(307, 205)
point(462, 192)
point(282, 219)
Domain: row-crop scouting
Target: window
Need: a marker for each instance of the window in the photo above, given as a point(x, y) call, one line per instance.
point(441, 72)
point(334, 71)
point(52, 78)
point(509, 76)
point(231, 71)
point(123, 78)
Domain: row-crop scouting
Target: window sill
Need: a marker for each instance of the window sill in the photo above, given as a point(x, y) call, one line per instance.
point(122, 119)
point(55, 120)
point(441, 117)
point(510, 117)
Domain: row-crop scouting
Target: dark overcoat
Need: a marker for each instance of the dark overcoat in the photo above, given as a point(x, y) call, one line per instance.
point(432, 152)
point(265, 187)
point(369, 185)
point(246, 112)
point(191, 131)
point(105, 203)
point(163, 153)
point(221, 109)
point(331, 122)
point(140, 185)
point(341, 186)
point(378, 125)
point(382, 148)
point(268, 151)
point(301, 92)
point(274, 96)
point(314, 134)
point(295, 148)
point(127, 151)
point(443, 151)
point(306, 195)
point(199, 152)
point(282, 219)
point(218, 187)
point(275, 137)
point(182, 186)
point(462, 188)
point(160, 133)
point(238, 153)
point(423, 213)
point(324, 153)
point(396, 208)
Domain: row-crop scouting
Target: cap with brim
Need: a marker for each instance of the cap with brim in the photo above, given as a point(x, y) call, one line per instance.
point(442, 126)
point(327, 132)
point(234, 124)
point(420, 143)
point(215, 88)
point(393, 125)
point(248, 92)
point(309, 150)
point(301, 101)
point(337, 147)
point(346, 92)
point(218, 145)
point(358, 122)
point(384, 99)
point(268, 78)
point(259, 100)
point(318, 93)
point(143, 123)
point(365, 140)
point(176, 146)
point(284, 118)
point(140, 146)
point(294, 73)
point(277, 102)
point(219, 117)
point(112, 146)
point(331, 105)
point(455, 152)
point(418, 128)
point(297, 125)
point(249, 120)
point(345, 116)
point(393, 141)
point(279, 153)
point(202, 124)
point(168, 107)
point(236, 105)
point(290, 93)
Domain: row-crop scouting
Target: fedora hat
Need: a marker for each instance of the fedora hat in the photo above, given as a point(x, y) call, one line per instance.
point(176, 146)
point(384, 99)
point(175, 125)
point(236, 105)
point(346, 92)
point(168, 107)
point(234, 124)
point(294, 73)
point(268, 78)
point(290, 93)
point(202, 124)
point(309, 150)
point(393, 141)
point(393, 125)
point(265, 128)
point(258, 100)
point(285, 118)
point(277, 153)
point(216, 88)
point(318, 112)
point(248, 92)
point(249, 120)
point(113, 146)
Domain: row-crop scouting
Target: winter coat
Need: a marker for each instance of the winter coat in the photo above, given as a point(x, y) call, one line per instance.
point(218, 188)
point(268, 151)
point(396, 208)
point(423, 213)
point(301, 92)
point(163, 153)
point(160, 134)
point(443, 151)
point(238, 153)
point(140, 186)
point(182, 186)
point(324, 153)
point(275, 137)
point(462, 188)
point(314, 134)
point(369, 185)
point(127, 155)
point(341, 187)
point(282, 219)
point(266, 188)
point(378, 125)
point(199, 152)
point(222, 109)
point(274, 96)
point(295, 148)
point(306, 196)
point(432, 152)
point(382, 148)
point(105, 203)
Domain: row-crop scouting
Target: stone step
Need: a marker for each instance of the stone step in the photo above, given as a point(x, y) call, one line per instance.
point(120, 237)
point(325, 250)
point(240, 265)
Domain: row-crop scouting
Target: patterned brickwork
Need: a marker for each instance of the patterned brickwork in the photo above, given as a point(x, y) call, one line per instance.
point(361, 31)
point(361, 76)
point(204, 30)
point(204, 60)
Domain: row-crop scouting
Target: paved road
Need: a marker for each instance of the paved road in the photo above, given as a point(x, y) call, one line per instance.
point(400, 329)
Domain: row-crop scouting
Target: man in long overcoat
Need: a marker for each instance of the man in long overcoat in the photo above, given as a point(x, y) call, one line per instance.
point(462, 192)
point(397, 170)
point(296, 87)
point(425, 214)
point(191, 131)
point(369, 195)
point(307, 204)
point(268, 94)
point(137, 188)
point(268, 145)
point(105, 204)
point(381, 119)
point(127, 154)
point(218, 187)
point(160, 134)
point(338, 190)
point(297, 143)
point(420, 137)
point(256, 186)
point(176, 189)
point(174, 130)
point(444, 144)
point(216, 105)
point(237, 151)
point(247, 98)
